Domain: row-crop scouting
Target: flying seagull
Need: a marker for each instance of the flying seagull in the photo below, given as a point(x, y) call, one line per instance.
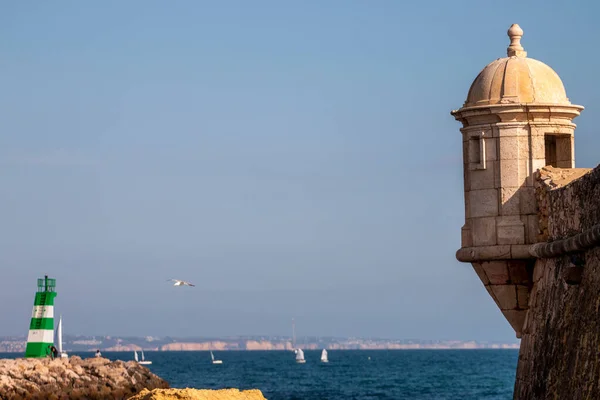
point(180, 283)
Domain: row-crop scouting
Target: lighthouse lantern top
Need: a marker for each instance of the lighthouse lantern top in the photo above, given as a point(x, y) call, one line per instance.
point(46, 284)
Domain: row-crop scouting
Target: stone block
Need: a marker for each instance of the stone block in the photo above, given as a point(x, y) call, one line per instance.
point(509, 201)
point(466, 235)
point(510, 231)
point(510, 129)
point(533, 228)
point(520, 251)
point(517, 271)
point(538, 147)
point(467, 197)
point(497, 181)
point(491, 149)
point(480, 273)
point(506, 296)
point(525, 172)
point(492, 295)
point(522, 297)
point(508, 147)
point(516, 319)
point(509, 174)
point(476, 254)
point(524, 221)
point(527, 200)
point(483, 203)
point(494, 252)
point(484, 231)
point(496, 272)
point(524, 147)
point(537, 164)
point(482, 178)
point(537, 130)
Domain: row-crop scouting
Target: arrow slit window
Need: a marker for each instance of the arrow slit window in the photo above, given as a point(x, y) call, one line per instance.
point(477, 152)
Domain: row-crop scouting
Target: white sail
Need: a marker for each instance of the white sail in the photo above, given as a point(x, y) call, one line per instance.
point(324, 356)
point(59, 334)
point(299, 355)
point(213, 359)
point(143, 361)
point(135, 356)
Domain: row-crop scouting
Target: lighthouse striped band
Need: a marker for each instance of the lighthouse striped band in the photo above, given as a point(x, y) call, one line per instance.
point(44, 299)
point(40, 336)
point(41, 328)
point(43, 312)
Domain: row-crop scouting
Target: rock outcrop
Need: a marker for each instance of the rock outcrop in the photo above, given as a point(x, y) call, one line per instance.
point(74, 378)
point(197, 394)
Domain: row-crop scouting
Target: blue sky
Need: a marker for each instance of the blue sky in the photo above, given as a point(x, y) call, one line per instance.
point(293, 159)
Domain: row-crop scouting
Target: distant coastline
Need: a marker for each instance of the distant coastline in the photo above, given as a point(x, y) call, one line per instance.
point(249, 343)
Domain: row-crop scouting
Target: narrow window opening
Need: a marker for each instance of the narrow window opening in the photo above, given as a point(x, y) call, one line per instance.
point(477, 152)
point(550, 146)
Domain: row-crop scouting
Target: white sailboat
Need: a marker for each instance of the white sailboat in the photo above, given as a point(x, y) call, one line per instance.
point(324, 356)
point(62, 353)
point(300, 356)
point(213, 359)
point(144, 361)
point(135, 356)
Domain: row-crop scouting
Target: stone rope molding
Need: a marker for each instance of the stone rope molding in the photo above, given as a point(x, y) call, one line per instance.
point(579, 242)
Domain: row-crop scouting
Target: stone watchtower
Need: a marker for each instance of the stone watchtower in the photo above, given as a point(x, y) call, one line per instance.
point(516, 119)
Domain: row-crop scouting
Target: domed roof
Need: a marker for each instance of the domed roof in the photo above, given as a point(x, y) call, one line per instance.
point(516, 79)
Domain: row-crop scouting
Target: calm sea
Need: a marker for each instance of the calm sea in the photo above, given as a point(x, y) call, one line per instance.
point(350, 374)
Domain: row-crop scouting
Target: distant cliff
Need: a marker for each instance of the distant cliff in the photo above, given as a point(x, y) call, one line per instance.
point(92, 378)
point(129, 344)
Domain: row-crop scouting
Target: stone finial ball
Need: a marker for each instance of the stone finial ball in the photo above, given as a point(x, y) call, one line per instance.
point(515, 30)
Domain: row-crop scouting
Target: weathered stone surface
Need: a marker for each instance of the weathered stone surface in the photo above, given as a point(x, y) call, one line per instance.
point(92, 378)
point(484, 203)
point(484, 231)
point(497, 272)
point(484, 178)
point(527, 201)
point(517, 270)
point(197, 394)
point(510, 201)
point(516, 319)
point(506, 296)
point(559, 356)
point(481, 273)
point(510, 230)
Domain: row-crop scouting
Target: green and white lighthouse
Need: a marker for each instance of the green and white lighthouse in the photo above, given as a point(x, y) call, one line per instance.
point(41, 328)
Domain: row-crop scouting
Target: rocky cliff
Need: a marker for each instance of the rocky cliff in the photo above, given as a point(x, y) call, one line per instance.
point(92, 378)
point(560, 347)
point(197, 394)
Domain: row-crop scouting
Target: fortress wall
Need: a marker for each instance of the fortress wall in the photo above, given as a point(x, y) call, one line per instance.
point(560, 347)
